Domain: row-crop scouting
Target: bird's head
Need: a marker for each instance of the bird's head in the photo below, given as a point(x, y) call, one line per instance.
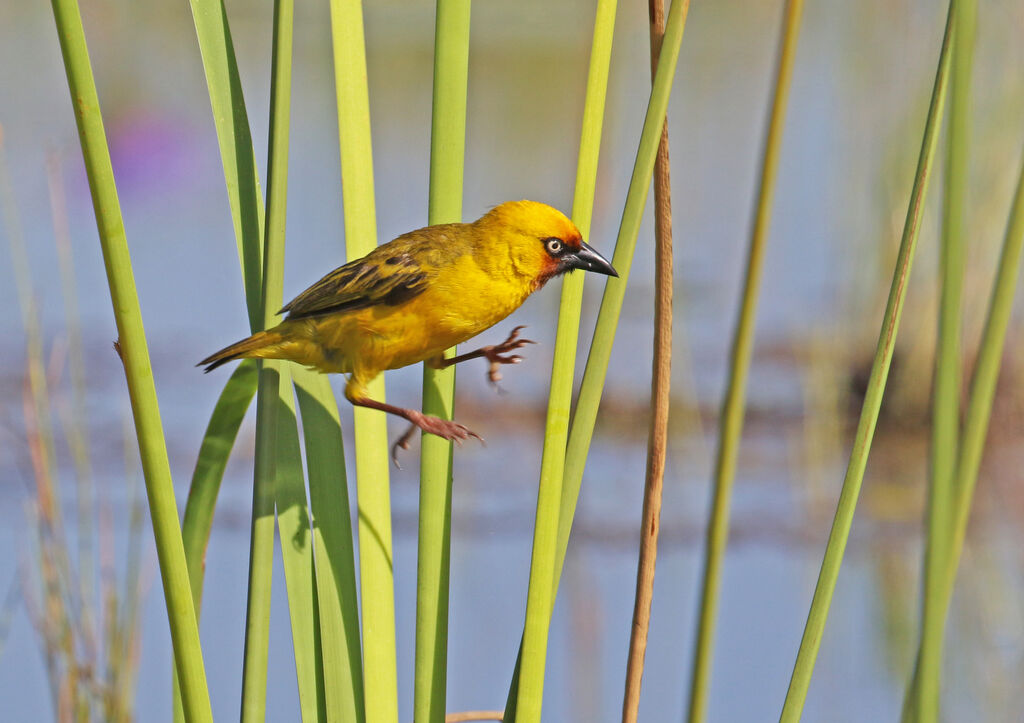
point(542, 242)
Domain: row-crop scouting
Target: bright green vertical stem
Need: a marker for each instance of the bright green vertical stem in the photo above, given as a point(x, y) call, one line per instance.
point(552, 507)
point(818, 614)
point(563, 366)
point(275, 464)
point(730, 429)
point(332, 545)
point(447, 153)
point(261, 546)
point(372, 486)
point(135, 355)
point(288, 481)
point(581, 431)
point(922, 698)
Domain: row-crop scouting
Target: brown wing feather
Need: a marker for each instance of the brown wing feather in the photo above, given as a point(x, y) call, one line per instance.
point(389, 275)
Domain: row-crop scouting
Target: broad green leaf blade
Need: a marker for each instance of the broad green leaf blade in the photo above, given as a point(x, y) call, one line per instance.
point(296, 548)
point(332, 547)
point(235, 141)
point(221, 432)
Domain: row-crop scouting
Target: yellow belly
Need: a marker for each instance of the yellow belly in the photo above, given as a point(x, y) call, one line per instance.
point(460, 303)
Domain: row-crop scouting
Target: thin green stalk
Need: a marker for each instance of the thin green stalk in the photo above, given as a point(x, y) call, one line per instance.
point(278, 481)
point(447, 154)
point(135, 355)
point(289, 483)
point(982, 393)
point(372, 473)
point(555, 499)
point(563, 365)
point(261, 545)
point(661, 382)
point(730, 430)
point(332, 547)
point(922, 697)
point(840, 532)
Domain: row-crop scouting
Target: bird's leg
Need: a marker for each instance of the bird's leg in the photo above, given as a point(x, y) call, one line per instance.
point(402, 443)
point(497, 355)
point(446, 429)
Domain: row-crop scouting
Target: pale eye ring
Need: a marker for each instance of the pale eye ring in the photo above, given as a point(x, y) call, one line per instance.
point(554, 246)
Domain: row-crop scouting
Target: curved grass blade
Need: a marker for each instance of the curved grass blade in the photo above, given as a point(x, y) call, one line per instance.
point(235, 141)
point(371, 435)
point(221, 432)
point(135, 355)
point(734, 404)
point(833, 558)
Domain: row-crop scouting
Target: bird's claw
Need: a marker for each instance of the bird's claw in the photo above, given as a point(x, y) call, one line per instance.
point(443, 428)
point(498, 354)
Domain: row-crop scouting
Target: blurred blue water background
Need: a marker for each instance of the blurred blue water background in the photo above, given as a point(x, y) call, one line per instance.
point(862, 78)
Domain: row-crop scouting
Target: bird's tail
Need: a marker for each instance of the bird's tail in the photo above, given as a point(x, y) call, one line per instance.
point(262, 344)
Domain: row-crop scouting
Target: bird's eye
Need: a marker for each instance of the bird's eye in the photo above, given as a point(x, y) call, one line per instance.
point(553, 246)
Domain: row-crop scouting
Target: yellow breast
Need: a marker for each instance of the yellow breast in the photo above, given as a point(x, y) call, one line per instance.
point(461, 301)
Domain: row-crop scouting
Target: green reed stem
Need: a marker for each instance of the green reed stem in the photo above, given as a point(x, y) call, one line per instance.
point(840, 532)
point(563, 365)
point(730, 430)
point(135, 355)
point(557, 495)
point(979, 412)
point(289, 483)
point(372, 484)
point(447, 154)
point(277, 459)
point(261, 545)
point(922, 696)
point(332, 546)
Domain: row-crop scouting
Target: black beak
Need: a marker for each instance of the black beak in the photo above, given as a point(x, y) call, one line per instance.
point(589, 260)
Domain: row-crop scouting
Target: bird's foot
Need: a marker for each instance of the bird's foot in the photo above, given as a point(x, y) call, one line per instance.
point(498, 355)
point(402, 443)
point(443, 428)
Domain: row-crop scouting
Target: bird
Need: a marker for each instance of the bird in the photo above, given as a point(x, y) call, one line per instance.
point(410, 299)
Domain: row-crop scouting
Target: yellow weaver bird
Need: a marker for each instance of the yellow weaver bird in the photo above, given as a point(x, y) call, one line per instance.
point(411, 298)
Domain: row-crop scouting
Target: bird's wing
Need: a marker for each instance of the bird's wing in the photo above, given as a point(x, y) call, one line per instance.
point(389, 275)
